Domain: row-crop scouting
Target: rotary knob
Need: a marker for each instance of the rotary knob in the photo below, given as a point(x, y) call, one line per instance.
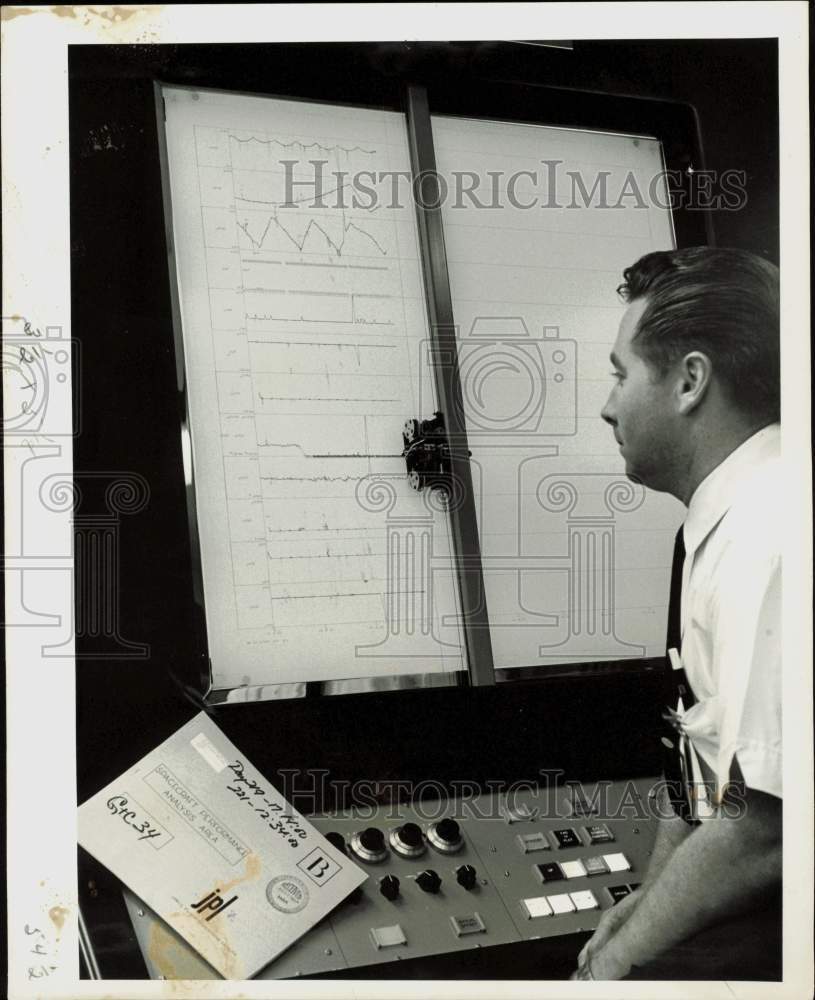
point(428, 881)
point(465, 876)
point(370, 845)
point(336, 840)
point(389, 887)
point(445, 836)
point(407, 840)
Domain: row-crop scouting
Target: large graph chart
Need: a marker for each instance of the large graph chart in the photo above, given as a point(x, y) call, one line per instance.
point(302, 314)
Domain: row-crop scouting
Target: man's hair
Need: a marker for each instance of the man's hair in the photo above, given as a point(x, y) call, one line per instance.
point(721, 302)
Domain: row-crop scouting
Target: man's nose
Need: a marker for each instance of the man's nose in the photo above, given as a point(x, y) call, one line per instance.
point(607, 413)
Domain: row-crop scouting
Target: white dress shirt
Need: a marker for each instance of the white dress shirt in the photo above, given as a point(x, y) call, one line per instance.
point(731, 615)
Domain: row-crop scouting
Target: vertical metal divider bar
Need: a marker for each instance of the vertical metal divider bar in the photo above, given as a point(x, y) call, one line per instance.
point(463, 523)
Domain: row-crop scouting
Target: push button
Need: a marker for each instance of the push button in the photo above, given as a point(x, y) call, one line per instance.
point(633, 886)
point(599, 833)
point(470, 924)
point(617, 862)
point(550, 873)
point(617, 892)
point(561, 903)
point(585, 900)
point(595, 866)
point(537, 906)
point(519, 813)
point(388, 937)
point(567, 838)
point(529, 842)
point(573, 869)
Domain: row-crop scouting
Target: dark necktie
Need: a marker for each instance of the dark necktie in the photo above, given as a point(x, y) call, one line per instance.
point(675, 773)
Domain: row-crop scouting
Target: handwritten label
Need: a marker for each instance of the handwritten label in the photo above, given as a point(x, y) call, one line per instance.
point(277, 818)
point(138, 819)
point(37, 945)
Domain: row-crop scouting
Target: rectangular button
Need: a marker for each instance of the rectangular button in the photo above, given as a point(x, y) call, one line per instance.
point(617, 862)
point(529, 842)
point(537, 906)
point(561, 903)
point(595, 866)
point(617, 892)
point(599, 833)
point(470, 924)
point(573, 869)
point(388, 937)
point(550, 873)
point(633, 886)
point(567, 838)
point(518, 813)
point(585, 900)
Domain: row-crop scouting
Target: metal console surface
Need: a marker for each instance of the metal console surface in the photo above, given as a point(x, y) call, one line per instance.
point(511, 867)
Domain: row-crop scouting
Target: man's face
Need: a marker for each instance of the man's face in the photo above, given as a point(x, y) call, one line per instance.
point(640, 409)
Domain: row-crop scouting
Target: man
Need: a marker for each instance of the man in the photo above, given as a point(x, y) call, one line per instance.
point(695, 410)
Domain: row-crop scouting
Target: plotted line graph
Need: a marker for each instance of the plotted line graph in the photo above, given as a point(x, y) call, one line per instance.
point(337, 246)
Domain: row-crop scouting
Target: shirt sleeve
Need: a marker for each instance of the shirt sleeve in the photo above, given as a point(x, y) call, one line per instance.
point(749, 648)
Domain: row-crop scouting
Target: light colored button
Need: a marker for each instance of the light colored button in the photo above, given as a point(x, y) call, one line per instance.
point(533, 842)
point(599, 833)
point(519, 813)
point(537, 906)
point(617, 862)
point(573, 869)
point(469, 924)
point(561, 903)
point(584, 900)
point(387, 937)
point(595, 866)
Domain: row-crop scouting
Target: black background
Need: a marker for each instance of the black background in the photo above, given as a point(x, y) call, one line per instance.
point(128, 400)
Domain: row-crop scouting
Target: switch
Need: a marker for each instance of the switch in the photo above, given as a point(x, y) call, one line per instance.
point(617, 862)
point(465, 876)
point(518, 813)
point(407, 840)
point(550, 873)
point(561, 903)
point(445, 836)
point(470, 924)
point(567, 838)
point(584, 900)
point(529, 842)
point(595, 866)
point(599, 833)
point(537, 906)
point(389, 887)
point(369, 845)
point(633, 886)
point(337, 840)
point(573, 869)
point(428, 881)
point(617, 892)
point(388, 937)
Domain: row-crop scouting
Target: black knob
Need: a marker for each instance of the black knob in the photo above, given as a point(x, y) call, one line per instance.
point(428, 881)
point(448, 830)
point(389, 887)
point(465, 876)
point(355, 896)
point(372, 839)
point(411, 835)
point(336, 840)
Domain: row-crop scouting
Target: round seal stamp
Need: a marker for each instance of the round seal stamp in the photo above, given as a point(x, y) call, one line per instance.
point(287, 893)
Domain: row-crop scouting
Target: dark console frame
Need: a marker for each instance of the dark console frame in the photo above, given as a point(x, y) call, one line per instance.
point(584, 721)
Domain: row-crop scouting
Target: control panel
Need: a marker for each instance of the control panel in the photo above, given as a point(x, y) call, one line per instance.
point(456, 874)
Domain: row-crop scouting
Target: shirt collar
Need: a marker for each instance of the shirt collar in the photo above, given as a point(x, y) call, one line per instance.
point(715, 494)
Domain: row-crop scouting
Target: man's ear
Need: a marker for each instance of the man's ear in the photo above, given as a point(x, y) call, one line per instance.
point(694, 377)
